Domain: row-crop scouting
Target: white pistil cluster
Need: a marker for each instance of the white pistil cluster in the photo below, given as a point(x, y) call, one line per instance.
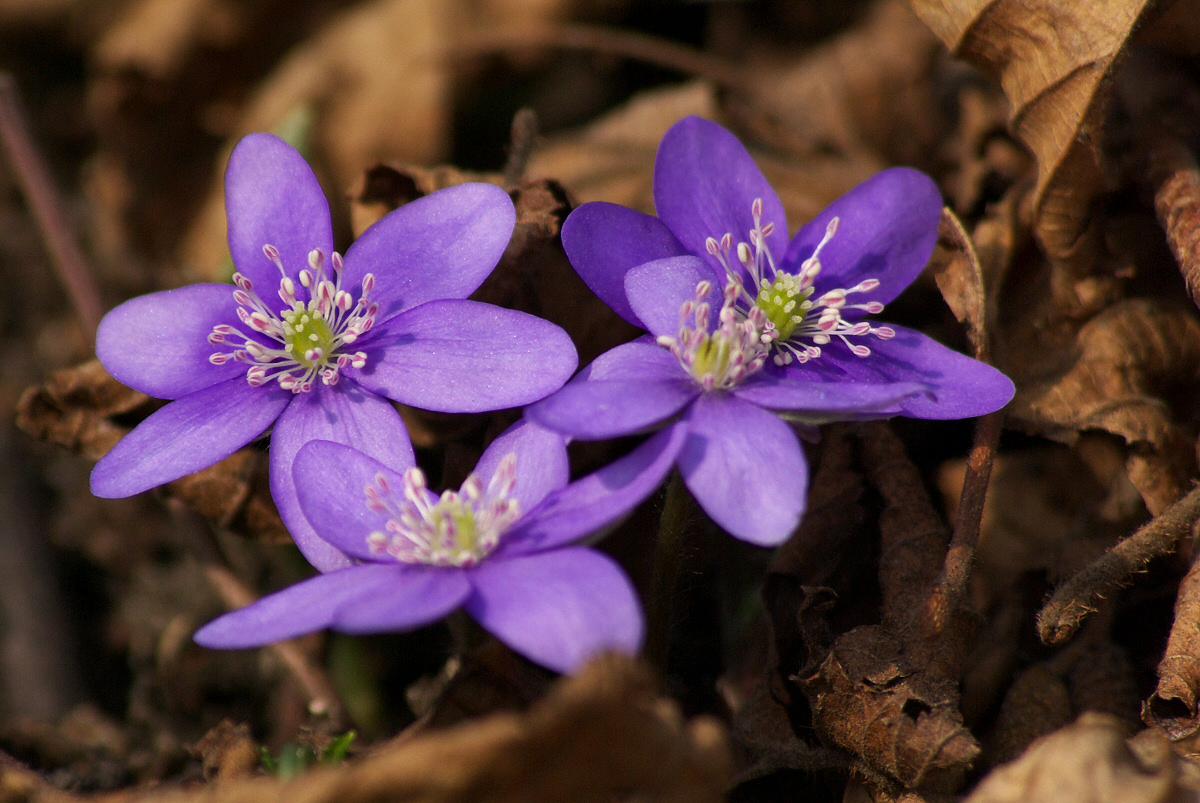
point(736, 348)
point(311, 335)
point(797, 326)
point(459, 529)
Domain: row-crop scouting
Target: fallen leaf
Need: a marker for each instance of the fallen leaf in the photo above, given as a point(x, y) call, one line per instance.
point(1090, 761)
point(1054, 61)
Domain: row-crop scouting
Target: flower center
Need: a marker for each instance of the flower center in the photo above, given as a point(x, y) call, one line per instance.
point(305, 339)
point(459, 528)
point(795, 325)
point(730, 353)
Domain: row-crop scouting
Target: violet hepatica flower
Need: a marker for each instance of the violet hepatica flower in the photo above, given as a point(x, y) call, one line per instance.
point(315, 344)
point(500, 548)
point(745, 324)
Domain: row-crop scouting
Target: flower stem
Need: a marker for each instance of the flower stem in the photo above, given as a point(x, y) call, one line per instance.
point(674, 529)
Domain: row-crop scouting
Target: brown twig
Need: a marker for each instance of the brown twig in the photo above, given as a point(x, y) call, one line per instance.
point(44, 202)
point(522, 140)
point(322, 699)
point(1076, 597)
point(1175, 177)
point(596, 39)
point(951, 584)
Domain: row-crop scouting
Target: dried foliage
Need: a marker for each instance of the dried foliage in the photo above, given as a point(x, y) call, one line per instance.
point(996, 646)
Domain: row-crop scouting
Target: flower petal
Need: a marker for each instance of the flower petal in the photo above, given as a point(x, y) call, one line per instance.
point(887, 227)
point(603, 241)
point(158, 343)
point(636, 360)
point(745, 468)
point(778, 389)
point(187, 435)
point(960, 387)
point(609, 408)
point(356, 599)
point(467, 357)
point(593, 502)
point(704, 185)
point(656, 291)
point(441, 246)
point(557, 608)
point(272, 197)
point(330, 481)
point(542, 465)
point(346, 414)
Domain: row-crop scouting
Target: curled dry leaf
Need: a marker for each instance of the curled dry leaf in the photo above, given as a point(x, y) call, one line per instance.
point(594, 737)
point(1090, 761)
point(1053, 60)
point(87, 411)
point(959, 277)
point(1126, 361)
point(227, 751)
point(873, 697)
point(888, 693)
point(1174, 704)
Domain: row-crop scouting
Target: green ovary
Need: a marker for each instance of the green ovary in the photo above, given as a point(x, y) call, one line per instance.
point(783, 303)
point(454, 516)
point(304, 330)
point(712, 357)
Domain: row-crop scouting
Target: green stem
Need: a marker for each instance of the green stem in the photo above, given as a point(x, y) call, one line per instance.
point(673, 531)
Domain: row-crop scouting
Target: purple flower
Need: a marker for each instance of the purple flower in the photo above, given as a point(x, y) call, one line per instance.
point(315, 345)
point(499, 548)
point(786, 334)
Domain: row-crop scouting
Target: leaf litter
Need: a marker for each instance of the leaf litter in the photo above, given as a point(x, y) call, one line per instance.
point(1028, 634)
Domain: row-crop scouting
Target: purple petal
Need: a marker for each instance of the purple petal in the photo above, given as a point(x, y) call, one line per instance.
point(658, 289)
point(634, 360)
point(441, 246)
point(557, 608)
point(603, 241)
point(745, 468)
point(782, 389)
point(330, 481)
point(356, 599)
point(593, 502)
point(343, 413)
point(158, 343)
point(467, 357)
point(961, 387)
point(704, 185)
point(887, 227)
point(608, 408)
point(542, 465)
point(187, 435)
point(272, 197)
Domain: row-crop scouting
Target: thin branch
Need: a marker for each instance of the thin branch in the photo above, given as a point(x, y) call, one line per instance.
point(1078, 595)
point(322, 699)
point(34, 178)
point(596, 39)
point(951, 584)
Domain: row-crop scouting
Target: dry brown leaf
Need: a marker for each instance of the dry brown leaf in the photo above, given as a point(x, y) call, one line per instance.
point(1053, 60)
point(1126, 361)
point(868, 96)
point(594, 737)
point(1174, 704)
point(959, 276)
point(875, 698)
point(84, 409)
point(227, 751)
point(1090, 761)
point(613, 158)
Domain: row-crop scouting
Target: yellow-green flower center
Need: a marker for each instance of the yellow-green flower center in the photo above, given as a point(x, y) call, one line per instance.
point(782, 301)
point(307, 336)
